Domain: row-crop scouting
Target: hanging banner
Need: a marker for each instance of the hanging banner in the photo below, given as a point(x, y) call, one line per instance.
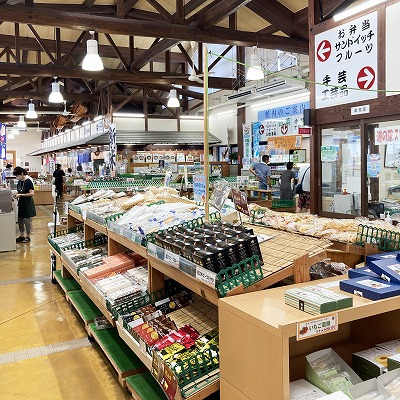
point(240, 201)
point(285, 143)
point(387, 135)
point(3, 142)
point(347, 57)
point(256, 139)
point(112, 136)
point(199, 188)
point(247, 142)
point(373, 165)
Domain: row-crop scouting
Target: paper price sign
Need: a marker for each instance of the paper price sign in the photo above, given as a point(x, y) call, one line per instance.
point(317, 326)
point(206, 276)
point(171, 259)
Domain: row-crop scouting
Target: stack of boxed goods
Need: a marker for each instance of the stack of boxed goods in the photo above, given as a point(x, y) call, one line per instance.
point(119, 279)
point(68, 239)
point(316, 300)
point(82, 259)
point(379, 279)
point(213, 246)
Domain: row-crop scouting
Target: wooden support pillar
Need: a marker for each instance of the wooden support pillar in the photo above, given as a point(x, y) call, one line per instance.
point(301, 269)
point(17, 44)
point(145, 110)
point(131, 49)
point(58, 45)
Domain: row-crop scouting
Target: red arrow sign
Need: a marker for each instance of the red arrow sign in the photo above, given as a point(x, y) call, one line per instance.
point(284, 129)
point(324, 50)
point(366, 78)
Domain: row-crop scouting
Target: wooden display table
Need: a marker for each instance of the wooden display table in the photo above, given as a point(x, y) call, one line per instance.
point(263, 202)
point(262, 356)
point(43, 197)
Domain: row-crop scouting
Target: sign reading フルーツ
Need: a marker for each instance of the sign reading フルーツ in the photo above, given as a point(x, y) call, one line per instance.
point(346, 57)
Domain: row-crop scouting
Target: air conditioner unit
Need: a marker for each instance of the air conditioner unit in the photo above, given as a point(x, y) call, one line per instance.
point(274, 87)
point(240, 95)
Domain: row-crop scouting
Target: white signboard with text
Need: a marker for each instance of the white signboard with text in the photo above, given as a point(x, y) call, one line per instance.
point(346, 62)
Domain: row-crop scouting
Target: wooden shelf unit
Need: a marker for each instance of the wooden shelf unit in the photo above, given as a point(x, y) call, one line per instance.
point(266, 330)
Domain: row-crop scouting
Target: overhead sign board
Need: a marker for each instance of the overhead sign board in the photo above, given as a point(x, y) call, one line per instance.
point(346, 62)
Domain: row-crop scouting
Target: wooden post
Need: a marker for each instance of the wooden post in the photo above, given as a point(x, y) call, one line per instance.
point(301, 269)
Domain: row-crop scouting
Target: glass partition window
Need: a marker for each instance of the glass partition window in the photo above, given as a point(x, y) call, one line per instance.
point(341, 170)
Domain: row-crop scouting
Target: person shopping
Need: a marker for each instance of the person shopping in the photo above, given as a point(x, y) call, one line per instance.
point(26, 205)
point(262, 172)
point(58, 176)
point(287, 181)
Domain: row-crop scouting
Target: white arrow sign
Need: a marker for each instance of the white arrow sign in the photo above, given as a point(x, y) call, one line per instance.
point(366, 78)
point(324, 47)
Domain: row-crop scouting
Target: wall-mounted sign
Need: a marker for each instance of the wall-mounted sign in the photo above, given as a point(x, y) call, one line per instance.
point(304, 130)
point(373, 165)
point(247, 141)
point(256, 139)
point(283, 112)
point(329, 153)
point(360, 110)
point(346, 62)
point(387, 135)
point(284, 143)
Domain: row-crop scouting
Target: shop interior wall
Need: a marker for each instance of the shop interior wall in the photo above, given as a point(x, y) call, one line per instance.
point(24, 143)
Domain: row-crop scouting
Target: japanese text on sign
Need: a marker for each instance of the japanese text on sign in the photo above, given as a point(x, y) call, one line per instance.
point(199, 188)
point(346, 58)
point(247, 141)
point(316, 327)
point(387, 135)
point(284, 143)
point(285, 111)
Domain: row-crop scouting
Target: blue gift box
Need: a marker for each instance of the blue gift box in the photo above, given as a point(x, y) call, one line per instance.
point(388, 270)
point(392, 255)
point(370, 288)
point(360, 272)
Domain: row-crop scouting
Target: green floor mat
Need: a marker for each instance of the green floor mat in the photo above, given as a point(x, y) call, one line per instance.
point(146, 386)
point(66, 284)
point(86, 308)
point(124, 358)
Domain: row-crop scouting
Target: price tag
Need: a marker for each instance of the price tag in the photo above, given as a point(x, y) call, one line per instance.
point(317, 326)
point(171, 259)
point(84, 213)
point(136, 322)
point(152, 249)
point(121, 231)
point(206, 276)
point(142, 344)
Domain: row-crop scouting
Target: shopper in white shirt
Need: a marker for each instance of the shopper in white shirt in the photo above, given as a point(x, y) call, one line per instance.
point(305, 197)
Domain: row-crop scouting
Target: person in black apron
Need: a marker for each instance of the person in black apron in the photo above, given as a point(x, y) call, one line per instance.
point(26, 206)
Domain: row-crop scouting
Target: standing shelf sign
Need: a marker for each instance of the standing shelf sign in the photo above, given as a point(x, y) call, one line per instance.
point(347, 57)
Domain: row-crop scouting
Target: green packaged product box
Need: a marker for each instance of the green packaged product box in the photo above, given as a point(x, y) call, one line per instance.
point(342, 301)
point(371, 362)
point(309, 302)
point(393, 362)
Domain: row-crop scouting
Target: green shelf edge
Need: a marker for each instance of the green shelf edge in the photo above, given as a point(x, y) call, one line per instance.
point(87, 309)
point(66, 284)
point(124, 358)
point(146, 386)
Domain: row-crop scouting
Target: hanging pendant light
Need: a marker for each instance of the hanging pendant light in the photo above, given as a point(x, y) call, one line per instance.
point(21, 124)
point(92, 60)
point(31, 113)
point(173, 101)
point(55, 95)
point(255, 72)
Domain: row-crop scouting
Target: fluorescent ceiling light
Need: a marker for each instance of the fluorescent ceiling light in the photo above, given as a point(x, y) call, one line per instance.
point(281, 100)
point(128, 115)
point(225, 113)
point(255, 72)
point(21, 124)
point(55, 95)
point(173, 101)
point(357, 9)
point(10, 136)
point(92, 60)
point(31, 113)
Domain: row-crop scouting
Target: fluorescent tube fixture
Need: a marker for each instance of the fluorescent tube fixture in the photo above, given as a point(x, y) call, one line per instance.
point(128, 115)
point(173, 101)
point(31, 113)
point(198, 117)
point(357, 9)
point(21, 124)
point(92, 60)
point(98, 118)
point(55, 95)
point(255, 72)
point(304, 95)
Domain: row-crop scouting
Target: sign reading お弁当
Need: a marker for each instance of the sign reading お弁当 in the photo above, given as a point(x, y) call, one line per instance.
point(346, 62)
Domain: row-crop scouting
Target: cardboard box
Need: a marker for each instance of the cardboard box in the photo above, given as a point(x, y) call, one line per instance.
point(370, 288)
point(325, 383)
point(360, 272)
point(364, 388)
point(302, 389)
point(371, 362)
point(394, 362)
point(388, 270)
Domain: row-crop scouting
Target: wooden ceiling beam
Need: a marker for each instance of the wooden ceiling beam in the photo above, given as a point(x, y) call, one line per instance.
point(106, 75)
point(161, 10)
point(41, 44)
point(219, 11)
point(281, 17)
point(129, 4)
point(117, 51)
point(339, 8)
point(119, 26)
point(188, 58)
point(89, 3)
point(78, 48)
